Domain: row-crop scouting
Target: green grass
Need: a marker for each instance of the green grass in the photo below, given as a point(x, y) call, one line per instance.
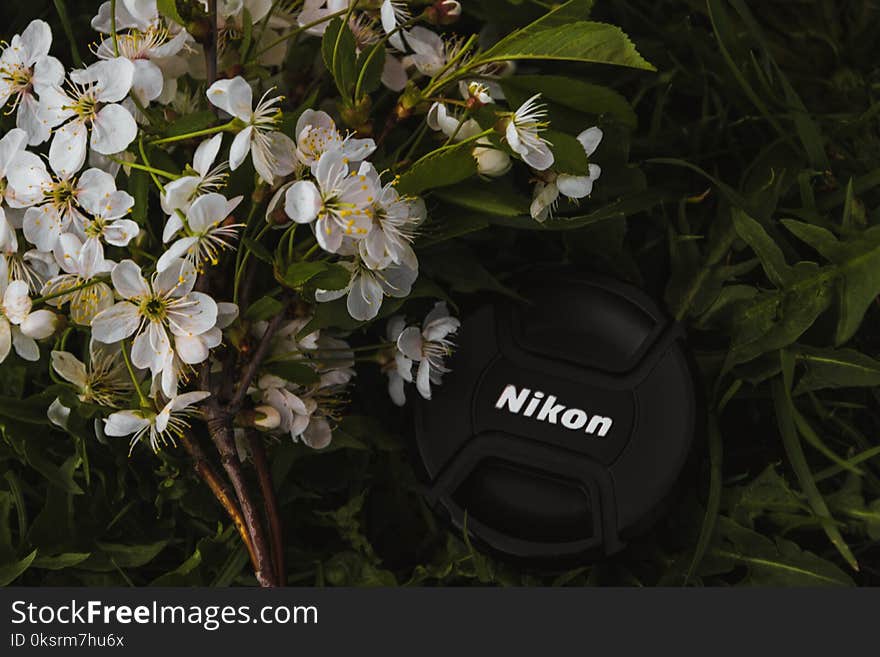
point(744, 196)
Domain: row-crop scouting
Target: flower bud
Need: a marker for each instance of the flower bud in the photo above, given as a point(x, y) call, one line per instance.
point(444, 12)
point(266, 418)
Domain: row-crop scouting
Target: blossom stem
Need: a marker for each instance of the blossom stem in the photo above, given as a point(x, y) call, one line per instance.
point(226, 127)
point(301, 28)
point(264, 477)
point(113, 34)
point(143, 152)
point(61, 293)
point(61, 8)
point(220, 489)
point(143, 167)
point(137, 386)
point(311, 250)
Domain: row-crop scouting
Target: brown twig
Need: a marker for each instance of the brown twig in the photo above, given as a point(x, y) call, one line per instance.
point(219, 421)
point(220, 489)
point(262, 350)
point(264, 474)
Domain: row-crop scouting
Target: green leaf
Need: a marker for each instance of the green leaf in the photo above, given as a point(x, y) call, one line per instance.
point(299, 373)
point(497, 199)
point(168, 8)
point(9, 572)
point(263, 308)
point(247, 26)
point(258, 250)
point(333, 277)
point(139, 185)
point(61, 561)
point(857, 262)
point(568, 152)
point(300, 273)
point(785, 418)
point(776, 562)
point(194, 122)
point(370, 64)
point(439, 168)
point(768, 252)
point(339, 50)
point(572, 93)
point(117, 555)
point(582, 41)
point(835, 368)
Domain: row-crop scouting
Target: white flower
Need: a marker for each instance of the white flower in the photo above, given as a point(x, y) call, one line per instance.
point(395, 219)
point(522, 135)
point(318, 11)
point(547, 191)
point(82, 263)
point(491, 161)
point(205, 232)
point(162, 427)
point(399, 369)
point(180, 193)
point(340, 201)
point(103, 380)
point(299, 416)
point(90, 105)
point(54, 204)
point(19, 327)
point(429, 346)
point(136, 14)
point(26, 68)
point(475, 91)
point(429, 52)
point(146, 49)
point(149, 311)
point(272, 151)
point(316, 134)
point(367, 288)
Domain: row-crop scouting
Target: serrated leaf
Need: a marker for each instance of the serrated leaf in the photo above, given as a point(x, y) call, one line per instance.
point(572, 93)
point(582, 41)
point(193, 122)
point(439, 168)
point(263, 308)
point(370, 64)
point(339, 50)
point(568, 153)
point(496, 199)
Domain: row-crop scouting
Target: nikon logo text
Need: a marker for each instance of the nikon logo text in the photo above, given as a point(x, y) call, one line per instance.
point(544, 408)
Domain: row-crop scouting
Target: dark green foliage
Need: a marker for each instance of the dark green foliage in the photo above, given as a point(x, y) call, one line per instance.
point(741, 188)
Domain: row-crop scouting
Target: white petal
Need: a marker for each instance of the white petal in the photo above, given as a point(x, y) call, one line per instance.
point(423, 379)
point(206, 211)
point(539, 158)
point(364, 298)
point(25, 346)
point(240, 148)
point(188, 399)
point(191, 349)
point(43, 226)
point(302, 201)
point(67, 154)
point(206, 153)
point(113, 78)
point(574, 186)
point(121, 232)
point(113, 130)
point(39, 324)
point(199, 315)
point(70, 368)
point(30, 118)
point(174, 224)
point(147, 82)
point(116, 323)
point(590, 139)
point(128, 281)
point(410, 343)
point(233, 96)
point(124, 423)
point(5, 338)
point(16, 302)
point(36, 39)
point(58, 413)
point(317, 435)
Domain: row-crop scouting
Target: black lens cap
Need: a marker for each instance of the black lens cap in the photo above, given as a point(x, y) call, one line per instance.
point(564, 422)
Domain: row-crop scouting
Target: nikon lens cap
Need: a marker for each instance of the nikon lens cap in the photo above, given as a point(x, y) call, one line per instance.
point(564, 422)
